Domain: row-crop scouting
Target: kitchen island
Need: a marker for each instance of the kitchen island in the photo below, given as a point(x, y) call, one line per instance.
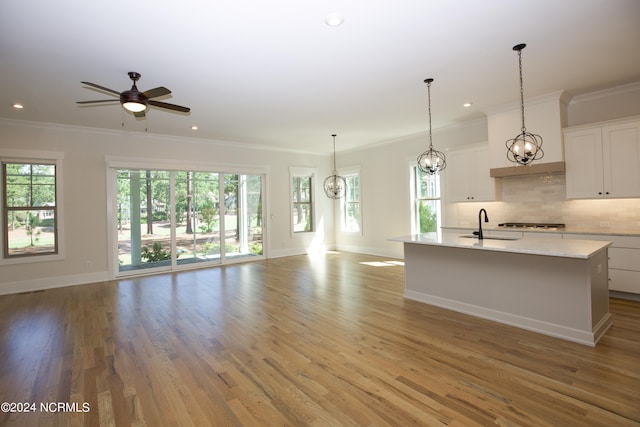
point(551, 286)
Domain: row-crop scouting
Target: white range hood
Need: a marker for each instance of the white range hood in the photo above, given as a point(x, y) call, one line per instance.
point(545, 115)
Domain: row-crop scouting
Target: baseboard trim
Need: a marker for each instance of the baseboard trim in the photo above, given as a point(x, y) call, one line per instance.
point(52, 282)
point(589, 338)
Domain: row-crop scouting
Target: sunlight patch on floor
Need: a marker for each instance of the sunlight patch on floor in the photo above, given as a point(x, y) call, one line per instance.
point(383, 263)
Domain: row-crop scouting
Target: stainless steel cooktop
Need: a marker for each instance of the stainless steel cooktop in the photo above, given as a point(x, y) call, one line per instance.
point(548, 226)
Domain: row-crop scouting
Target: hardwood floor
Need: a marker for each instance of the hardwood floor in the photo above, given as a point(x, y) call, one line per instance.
point(298, 341)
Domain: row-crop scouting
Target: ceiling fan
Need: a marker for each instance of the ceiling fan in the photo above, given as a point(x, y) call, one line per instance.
point(135, 101)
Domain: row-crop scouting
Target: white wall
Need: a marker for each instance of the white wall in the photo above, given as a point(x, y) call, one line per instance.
point(384, 179)
point(85, 200)
point(615, 103)
point(384, 176)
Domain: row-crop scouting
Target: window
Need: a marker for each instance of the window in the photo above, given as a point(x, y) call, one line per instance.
point(425, 195)
point(302, 201)
point(30, 213)
point(350, 205)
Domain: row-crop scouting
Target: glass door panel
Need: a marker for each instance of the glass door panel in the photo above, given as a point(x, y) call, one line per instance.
point(197, 217)
point(243, 215)
point(144, 229)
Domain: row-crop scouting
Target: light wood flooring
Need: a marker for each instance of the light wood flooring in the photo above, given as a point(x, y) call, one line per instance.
point(299, 341)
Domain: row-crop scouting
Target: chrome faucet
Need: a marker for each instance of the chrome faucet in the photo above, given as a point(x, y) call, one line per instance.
point(486, 219)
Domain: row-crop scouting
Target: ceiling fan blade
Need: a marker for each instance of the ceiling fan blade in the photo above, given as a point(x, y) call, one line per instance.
point(169, 106)
point(106, 89)
point(101, 100)
point(156, 92)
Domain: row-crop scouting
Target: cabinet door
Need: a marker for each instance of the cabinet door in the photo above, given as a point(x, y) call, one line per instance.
point(456, 176)
point(468, 177)
point(621, 159)
point(583, 160)
point(482, 186)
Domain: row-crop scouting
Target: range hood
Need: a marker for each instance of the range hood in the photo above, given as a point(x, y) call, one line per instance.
point(546, 116)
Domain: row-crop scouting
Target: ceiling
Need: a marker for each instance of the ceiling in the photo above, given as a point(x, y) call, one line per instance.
point(274, 74)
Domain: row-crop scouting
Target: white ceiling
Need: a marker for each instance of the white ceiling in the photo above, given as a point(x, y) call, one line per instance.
point(273, 73)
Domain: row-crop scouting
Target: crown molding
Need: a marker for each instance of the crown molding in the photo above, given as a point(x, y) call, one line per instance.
point(605, 93)
point(560, 96)
point(148, 135)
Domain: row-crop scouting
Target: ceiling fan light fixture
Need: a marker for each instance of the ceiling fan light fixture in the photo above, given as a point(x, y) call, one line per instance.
point(135, 101)
point(134, 106)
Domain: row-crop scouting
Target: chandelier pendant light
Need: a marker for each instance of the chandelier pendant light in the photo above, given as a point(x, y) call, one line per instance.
point(335, 186)
point(431, 161)
point(525, 147)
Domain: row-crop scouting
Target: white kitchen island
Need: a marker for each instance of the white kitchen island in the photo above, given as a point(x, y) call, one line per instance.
point(551, 286)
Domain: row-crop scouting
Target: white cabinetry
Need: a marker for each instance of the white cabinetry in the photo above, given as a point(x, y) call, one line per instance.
point(624, 260)
point(467, 176)
point(603, 161)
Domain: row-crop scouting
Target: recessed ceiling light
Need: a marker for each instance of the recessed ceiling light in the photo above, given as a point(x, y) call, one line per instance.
point(333, 20)
point(467, 104)
point(194, 127)
point(18, 106)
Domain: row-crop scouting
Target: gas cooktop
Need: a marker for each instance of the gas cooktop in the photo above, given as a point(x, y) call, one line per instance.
point(530, 225)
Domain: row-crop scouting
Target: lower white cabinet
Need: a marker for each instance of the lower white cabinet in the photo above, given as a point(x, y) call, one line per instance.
point(624, 253)
point(624, 260)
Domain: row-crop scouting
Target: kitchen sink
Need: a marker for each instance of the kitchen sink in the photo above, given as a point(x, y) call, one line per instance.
point(473, 236)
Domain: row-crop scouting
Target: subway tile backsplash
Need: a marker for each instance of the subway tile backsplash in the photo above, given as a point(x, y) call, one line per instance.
point(542, 198)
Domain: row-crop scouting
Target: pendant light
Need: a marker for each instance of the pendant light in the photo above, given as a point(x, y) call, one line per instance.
point(335, 186)
point(431, 161)
point(525, 147)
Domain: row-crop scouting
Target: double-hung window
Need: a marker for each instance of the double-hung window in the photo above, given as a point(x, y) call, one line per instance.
point(425, 194)
point(30, 213)
point(302, 199)
point(350, 212)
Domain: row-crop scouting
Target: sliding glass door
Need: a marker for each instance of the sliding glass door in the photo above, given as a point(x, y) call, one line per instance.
point(173, 219)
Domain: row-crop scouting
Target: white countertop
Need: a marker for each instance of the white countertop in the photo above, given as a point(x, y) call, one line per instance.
point(549, 247)
point(566, 230)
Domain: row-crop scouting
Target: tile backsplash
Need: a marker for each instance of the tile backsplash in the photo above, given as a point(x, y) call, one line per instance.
point(542, 198)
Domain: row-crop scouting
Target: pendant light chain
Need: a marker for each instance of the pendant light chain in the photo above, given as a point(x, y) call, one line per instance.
point(335, 169)
point(526, 147)
point(429, 96)
point(335, 186)
point(432, 161)
point(521, 90)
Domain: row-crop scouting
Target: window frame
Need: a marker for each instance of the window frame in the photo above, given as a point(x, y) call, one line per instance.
point(113, 163)
point(37, 157)
point(347, 173)
point(415, 199)
point(302, 172)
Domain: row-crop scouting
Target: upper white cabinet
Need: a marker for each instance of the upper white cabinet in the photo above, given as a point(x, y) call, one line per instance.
point(467, 176)
point(603, 161)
